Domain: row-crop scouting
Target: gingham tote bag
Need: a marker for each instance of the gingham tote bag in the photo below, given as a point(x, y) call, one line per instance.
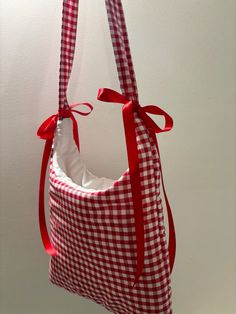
point(107, 237)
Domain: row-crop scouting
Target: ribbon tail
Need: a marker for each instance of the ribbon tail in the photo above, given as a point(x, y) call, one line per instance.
point(133, 160)
point(172, 237)
point(42, 220)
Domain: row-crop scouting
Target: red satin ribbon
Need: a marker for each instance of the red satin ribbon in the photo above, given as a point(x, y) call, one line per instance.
point(128, 109)
point(46, 131)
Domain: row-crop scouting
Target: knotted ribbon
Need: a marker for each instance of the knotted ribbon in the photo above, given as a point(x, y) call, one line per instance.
point(46, 132)
point(128, 109)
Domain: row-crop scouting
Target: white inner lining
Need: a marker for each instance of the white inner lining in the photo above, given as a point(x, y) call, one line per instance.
point(67, 161)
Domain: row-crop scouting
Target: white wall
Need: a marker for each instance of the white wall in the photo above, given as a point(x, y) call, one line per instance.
point(184, 56)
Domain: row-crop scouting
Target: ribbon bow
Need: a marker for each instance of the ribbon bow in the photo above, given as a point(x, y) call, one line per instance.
point(128, 109)
point(46, 131)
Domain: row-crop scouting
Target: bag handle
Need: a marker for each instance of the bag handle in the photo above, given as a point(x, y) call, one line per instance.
point(120, 44)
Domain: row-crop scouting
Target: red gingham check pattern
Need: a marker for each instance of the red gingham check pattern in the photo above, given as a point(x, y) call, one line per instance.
point(94, 234)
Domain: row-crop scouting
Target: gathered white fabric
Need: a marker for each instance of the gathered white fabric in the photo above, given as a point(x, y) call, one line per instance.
point(67, 162)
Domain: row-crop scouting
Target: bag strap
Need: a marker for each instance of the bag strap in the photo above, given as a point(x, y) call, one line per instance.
point(120, 44)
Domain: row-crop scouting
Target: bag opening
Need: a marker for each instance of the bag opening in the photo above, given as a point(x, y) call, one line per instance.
point(68, 164)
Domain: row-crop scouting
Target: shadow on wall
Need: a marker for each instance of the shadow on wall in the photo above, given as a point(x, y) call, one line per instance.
point(24, 95)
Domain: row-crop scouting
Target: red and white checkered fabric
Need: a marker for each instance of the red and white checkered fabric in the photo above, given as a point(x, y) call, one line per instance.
point(94, 234)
